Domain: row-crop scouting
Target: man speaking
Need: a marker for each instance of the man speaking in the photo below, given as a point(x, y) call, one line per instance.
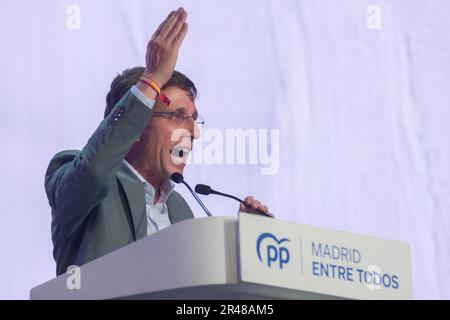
point(117, 189)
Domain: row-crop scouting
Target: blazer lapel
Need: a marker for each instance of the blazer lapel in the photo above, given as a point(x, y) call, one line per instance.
point(134, 191)
point(178, 208)
point(174, 208)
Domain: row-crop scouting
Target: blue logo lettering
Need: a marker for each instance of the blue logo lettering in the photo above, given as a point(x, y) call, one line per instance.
point(275, 252)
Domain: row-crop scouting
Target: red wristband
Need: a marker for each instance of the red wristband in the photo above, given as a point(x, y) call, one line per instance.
point(155, 86)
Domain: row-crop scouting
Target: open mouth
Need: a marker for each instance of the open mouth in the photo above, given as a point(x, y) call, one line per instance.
point(179, 154)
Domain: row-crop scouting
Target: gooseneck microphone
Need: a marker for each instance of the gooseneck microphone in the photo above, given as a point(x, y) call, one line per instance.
point(207, 190)
point(178, 178)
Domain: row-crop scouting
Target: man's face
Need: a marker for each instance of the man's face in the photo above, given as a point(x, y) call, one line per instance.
point(165, 143)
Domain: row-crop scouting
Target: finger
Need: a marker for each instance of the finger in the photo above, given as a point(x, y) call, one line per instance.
point(179, 39)
point(248, 201)
point(265, 212)
point(177, 27)
point(169, 24)
point(158, 31)
point(270, 215)
point(255, 204)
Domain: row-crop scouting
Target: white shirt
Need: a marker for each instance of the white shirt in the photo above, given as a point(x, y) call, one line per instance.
point(157, 214)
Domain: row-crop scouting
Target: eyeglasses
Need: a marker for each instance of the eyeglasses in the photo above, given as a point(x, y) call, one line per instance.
point(181, 117)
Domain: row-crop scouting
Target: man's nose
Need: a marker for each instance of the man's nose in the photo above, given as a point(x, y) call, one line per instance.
point(194, 130)
point(197, 132)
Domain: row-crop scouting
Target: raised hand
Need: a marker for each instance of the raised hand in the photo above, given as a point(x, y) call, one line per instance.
point(162, 49)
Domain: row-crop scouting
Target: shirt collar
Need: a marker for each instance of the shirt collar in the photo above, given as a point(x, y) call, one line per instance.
point(166, 187)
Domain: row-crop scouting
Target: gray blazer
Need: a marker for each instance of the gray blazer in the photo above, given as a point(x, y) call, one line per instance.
point(98, 204)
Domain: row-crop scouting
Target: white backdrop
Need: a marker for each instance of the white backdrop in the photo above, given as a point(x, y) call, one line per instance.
point(363, 114)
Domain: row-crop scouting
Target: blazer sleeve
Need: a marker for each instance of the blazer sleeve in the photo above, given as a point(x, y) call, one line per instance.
point(76, 182)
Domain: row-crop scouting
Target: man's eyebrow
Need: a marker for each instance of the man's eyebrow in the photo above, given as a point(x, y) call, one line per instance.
point(184, 110)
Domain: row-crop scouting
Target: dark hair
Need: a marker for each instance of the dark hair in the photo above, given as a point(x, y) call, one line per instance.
point(123, 82)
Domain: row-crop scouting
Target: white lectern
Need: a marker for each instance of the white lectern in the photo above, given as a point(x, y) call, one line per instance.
point(250, 257)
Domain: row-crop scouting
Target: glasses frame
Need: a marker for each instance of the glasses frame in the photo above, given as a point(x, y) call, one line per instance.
point(181, 117)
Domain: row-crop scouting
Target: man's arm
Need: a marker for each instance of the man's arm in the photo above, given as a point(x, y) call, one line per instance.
point(75, 187)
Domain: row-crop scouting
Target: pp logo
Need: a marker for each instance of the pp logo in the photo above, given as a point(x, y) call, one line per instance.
point(276, 254)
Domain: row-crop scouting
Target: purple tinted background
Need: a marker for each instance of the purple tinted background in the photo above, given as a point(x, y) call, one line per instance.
point(363, 114)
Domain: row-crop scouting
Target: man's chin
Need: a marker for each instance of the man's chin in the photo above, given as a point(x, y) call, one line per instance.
point(175, 168)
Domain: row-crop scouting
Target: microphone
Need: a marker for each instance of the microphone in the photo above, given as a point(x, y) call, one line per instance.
point(207, 190)
point(178, 178)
